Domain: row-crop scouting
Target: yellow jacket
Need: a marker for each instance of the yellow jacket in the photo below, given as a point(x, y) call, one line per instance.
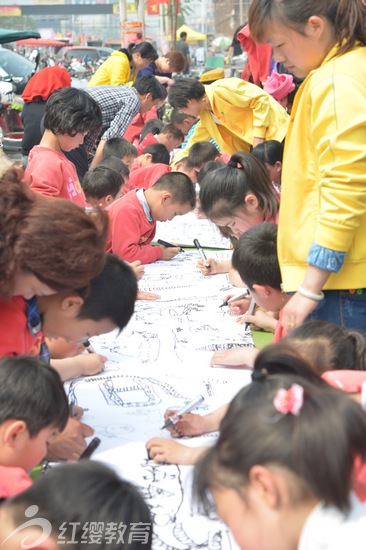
point(114, 71)
point(323, 193)
point(243, 111)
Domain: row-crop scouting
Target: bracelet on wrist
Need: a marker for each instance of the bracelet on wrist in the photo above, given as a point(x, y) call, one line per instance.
point(311, 295)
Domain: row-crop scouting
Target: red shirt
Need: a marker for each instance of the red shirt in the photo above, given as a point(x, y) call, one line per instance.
point(145, 176)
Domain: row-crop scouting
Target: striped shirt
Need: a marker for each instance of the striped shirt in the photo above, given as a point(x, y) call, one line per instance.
point(119, 104)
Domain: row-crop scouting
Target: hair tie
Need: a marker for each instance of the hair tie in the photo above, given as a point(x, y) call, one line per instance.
point(232, 164)
point(289, 401)
point(259, 374)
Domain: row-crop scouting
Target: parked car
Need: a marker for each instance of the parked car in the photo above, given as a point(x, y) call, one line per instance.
point(104, 51)
point(15, 70)
point(80, 53)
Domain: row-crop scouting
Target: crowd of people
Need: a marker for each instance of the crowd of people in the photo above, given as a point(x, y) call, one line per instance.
point(278, 165)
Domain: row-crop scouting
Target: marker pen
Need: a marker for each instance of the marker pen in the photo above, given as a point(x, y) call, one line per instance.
point(250, 312)
point(169, 245)
point(243, 294)
point(201, 253)
point(87, 345)
point(186, 409)
point(93, 445)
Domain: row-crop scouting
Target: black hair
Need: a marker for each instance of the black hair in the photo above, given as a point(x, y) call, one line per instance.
point(183, 90)
point(102, 181)
point(72, 111)
point(171, 129)
point(227, 188)
point(32, 391)
point(158, 152)
point(180, 186)
point(330, 347)
point(116, 164)
point(74, 495)
point(255, 256)
point(183, 34)
point(150, 85)
point(177, 117)
point(145, 49)
point(269, 152)
point(118, 147)
point(348, 19)
point(202, 152)
point(152, 126)
point(208, 167)
point(112, 294)
point(318, 446)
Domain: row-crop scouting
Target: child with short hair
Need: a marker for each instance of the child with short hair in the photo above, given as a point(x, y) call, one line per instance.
point(133, 217)
point(121, 148)
point(69, 115)
point(72, 500)
point(169, 135)
point(153, 154)
point(33, 407)
point(103, 185)
point(281, 472)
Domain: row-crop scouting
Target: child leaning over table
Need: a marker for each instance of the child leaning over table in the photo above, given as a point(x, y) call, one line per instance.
point(33, 408)
point(133, 217)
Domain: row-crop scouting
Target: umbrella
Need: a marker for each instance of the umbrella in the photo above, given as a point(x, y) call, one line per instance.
point(40, 42)
point(221, 42)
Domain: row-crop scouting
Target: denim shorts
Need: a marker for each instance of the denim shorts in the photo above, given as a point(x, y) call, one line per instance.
point(345, 308)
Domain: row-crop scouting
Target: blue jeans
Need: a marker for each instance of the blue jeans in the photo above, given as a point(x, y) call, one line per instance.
point(342, 308)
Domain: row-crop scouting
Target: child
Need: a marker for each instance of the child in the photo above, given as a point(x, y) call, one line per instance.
point(281, 471)
point(163, 67)
point(102, 185)
point(69, 115)
point(72, 501)
point(121, 148)
point(235, 113)
point(237, 197)
point(47, 244)
point(322, 224)
point(33, 407)
point(153, 154)
point(133, 217)
point(169, 135)
point(271, 153)
point(105, 304)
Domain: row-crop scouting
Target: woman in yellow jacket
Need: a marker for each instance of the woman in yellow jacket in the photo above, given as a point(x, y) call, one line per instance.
point(123, 65)
point(322, 224)
point(233, 112)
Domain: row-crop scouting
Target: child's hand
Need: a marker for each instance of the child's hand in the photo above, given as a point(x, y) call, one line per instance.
point(172, 452)
point(238, 307)
point(142, 295)
point(214, 266)
point(188, 424)
point(234, 357)
point(169, 252)
point(60, 348)
point(138, 269)
point(260, 319)
point(70, 443)
point(90, 363)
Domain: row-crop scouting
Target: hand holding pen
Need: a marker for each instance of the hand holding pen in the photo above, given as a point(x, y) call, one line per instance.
point(206, 264)
point(175, 416)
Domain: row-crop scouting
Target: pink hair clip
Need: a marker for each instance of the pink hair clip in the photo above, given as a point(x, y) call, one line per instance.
point(289, 401)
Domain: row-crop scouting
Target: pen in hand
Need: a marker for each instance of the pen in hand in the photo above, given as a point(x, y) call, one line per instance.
point(201, 253)
point(169, 245)
point(87, 345)
point(243, 294)
point(250, 312)
point(186, 409)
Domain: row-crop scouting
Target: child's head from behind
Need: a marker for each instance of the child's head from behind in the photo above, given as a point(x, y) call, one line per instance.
point(171, 137)
point(285, 443)
point(154, 153)
point(121, 148)
point(172, 195)
point(255, 259)
point(202, 152)
point(329, 347)
point(33, 406)
point(240, 195)
point(106, 304)
point(43, 237)
point(74, 496)
point(70, 114)
point(103, 185)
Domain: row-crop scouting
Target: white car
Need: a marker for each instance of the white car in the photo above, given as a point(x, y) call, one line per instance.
point(14, 69)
